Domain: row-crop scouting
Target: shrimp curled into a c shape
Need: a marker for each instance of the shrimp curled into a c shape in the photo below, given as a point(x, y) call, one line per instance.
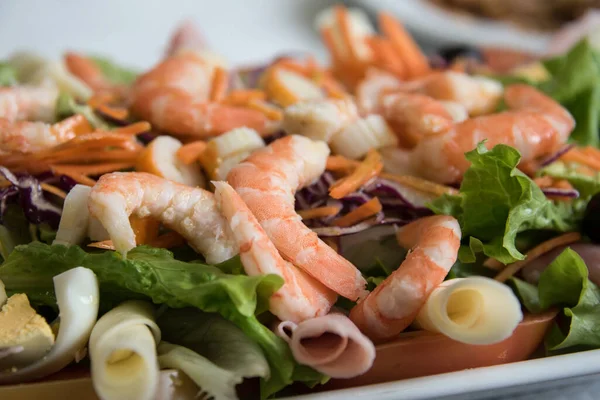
point(267, 181)
point(394, 304)
point(192, 212)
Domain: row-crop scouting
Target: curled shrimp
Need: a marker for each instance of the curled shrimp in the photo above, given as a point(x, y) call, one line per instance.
point(267, 181)
point(174, 97)
point(394, 304)
point(192, 212)
point(31, 103)
point(535, 125)
point(301, 297)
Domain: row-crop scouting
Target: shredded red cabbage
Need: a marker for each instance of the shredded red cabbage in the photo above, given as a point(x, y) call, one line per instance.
point(26, 190)
point(570, 193)
point(550, 159)
point(397, 209)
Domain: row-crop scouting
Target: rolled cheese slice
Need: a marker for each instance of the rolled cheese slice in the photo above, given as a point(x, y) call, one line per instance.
point(3, 296)
point(78, 299)
point(123, 353)
point(474, 310)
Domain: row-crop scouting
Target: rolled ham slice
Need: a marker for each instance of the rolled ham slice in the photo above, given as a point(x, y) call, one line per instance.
point(331, 344)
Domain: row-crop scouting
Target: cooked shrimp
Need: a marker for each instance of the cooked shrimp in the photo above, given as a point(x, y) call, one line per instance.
point(479, 95)
point(174, 97)
point(192, 212)
point(413, 115)
point(30, 137)
point(267, 181)
point(536, 125)
point(33, 103)
point(394, 304)
point(301, 296)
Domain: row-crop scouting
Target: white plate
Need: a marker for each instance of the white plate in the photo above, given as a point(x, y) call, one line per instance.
point(440, 26)
point(468, 381)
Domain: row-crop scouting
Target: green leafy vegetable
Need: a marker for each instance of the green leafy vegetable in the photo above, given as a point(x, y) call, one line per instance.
point(67, 106)
point(215, 338)
point(496, 202)
point(8, 75)
point(113, 72)
point(565, 283)
point(213, 381)
point(151, 273)
point(587, 186)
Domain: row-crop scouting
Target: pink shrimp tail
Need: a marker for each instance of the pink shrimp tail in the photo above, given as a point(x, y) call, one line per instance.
point(331, 344)
point(394, 304)
point(187, 36)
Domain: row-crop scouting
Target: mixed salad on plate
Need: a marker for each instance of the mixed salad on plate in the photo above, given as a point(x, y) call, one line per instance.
point(281, 223)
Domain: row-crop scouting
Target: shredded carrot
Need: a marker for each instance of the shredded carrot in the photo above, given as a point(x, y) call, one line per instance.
point(328, 39)
point(105, 245)
point(319, 212)
point(90, 157)
point(590, 151)
point(243, 97)
point(134, 129)
point(494, 264)
point(341, 164)
point(145, 229)
point(118, 113)
point(97, 169)
point(190, 152)
point(366, 170)
point(77, 124)
point(53, 189)
point(386, 56)
point(295, 66)
point(536, 252)
point(219, 85)
point(359, 214)
point(544, 181)
point(100, 98)
point(576, 155)
point(271, 112)
point(343, 21)
point(414, 60)
point(420, 184)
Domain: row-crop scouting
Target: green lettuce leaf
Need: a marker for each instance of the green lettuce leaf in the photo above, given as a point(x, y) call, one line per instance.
point(8, 75)
point(213, 381)
point(113, 72)
point(496, 202)
point(215, 338)
point(151, 273)
point(67, 106)
point(586, 185)
point(528, 294)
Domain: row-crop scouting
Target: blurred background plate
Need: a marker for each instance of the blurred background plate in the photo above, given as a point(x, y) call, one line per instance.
point(436, 25)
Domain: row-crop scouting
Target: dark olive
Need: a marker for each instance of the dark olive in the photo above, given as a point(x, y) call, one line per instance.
point(591, 219)
point(452, 53)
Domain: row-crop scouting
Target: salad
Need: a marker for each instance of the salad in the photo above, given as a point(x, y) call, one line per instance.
point(274, 229)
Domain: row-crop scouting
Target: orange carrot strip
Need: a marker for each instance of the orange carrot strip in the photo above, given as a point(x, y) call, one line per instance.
point(341, 164)
point(294, 66)
point(105, 245)
point(575, 155)
point(359, 214)
point(79, 178)
point(343, 21)
point(219, 85)
point(94, 169)
point(271, 112)
point(100, 98)
point(494, 264)
point(415, 61)
point(190, 152)
point(591, 151)
point(243, 97)
point(145, 229)
point(536, 252)
point(53, 189)
point(88, 157)
point(369, 168)
point(420, 184)
point(319, 212)
point(544, 181)
point(386, 57)
point(328, 39)
point(113, 112)
point(134, 129)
